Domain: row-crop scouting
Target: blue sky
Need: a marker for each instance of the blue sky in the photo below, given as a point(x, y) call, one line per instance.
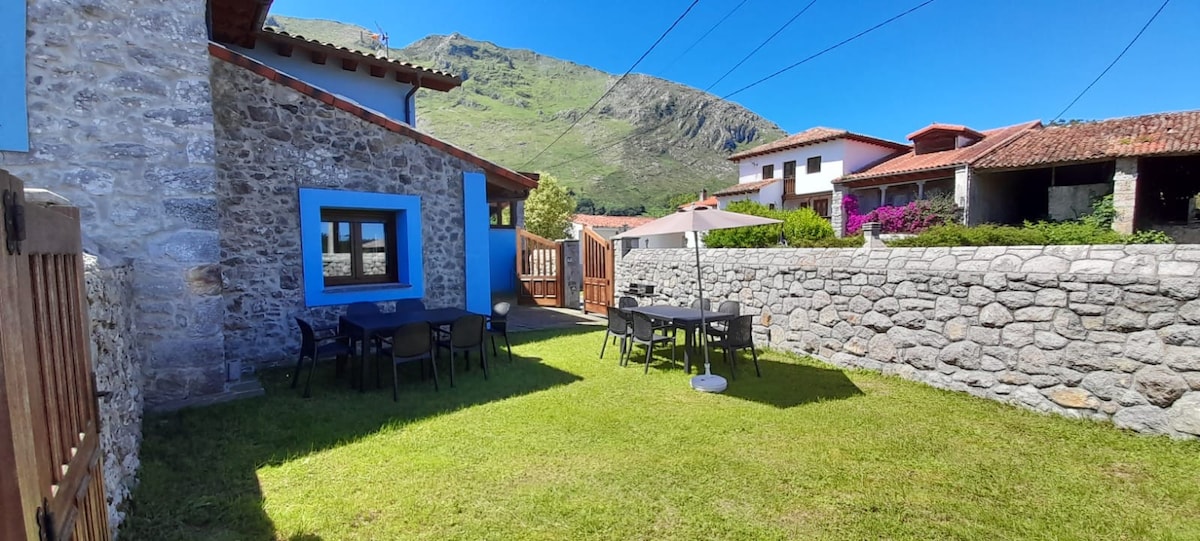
point(983, 63)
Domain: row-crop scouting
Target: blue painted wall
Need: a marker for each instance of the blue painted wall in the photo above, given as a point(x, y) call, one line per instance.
point(14, 124)
point(408, 243)
point(383, 94)
point(476, 228)
point(504, 261)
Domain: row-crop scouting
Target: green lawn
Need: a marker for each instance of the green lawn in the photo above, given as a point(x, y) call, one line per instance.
point(560, 445)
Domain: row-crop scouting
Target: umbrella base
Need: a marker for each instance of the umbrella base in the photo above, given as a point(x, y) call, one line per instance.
point(709, 383)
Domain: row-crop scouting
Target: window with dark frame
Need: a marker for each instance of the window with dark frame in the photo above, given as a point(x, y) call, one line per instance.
point(768, 171)
point(813, 165)
point(500, 213)
point(789, 169)
point(358, 247)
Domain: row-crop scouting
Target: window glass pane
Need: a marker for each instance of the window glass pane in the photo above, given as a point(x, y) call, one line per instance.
point(335, 249)
point(374, 248)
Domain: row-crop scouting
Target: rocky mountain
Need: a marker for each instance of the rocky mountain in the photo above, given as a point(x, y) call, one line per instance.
point(649, 141)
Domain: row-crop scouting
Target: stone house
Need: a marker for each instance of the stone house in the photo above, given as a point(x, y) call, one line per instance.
point(225, 165)
point(1151, 163)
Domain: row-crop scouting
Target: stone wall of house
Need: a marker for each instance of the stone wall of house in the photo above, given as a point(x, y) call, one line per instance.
point(1100, 332)
point(120, 122)
point(119, 372)
point(273, 140)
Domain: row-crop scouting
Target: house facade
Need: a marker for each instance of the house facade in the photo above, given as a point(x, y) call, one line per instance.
point(1031, 171)
point(798, 171)
point(209, 156)
point(610, 226)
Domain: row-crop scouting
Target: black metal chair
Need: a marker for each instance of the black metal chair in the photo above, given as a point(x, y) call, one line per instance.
point(412, 343)
point(717, 329)
point(644, 333)
point(314, 347)
point(618, 326)
point(498, 326)
point(738, 335)
point(466, 335)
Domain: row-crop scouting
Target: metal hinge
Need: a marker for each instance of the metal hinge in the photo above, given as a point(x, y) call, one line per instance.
point(14, 223)
point(45, 521)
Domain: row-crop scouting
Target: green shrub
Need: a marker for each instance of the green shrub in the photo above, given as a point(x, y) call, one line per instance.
point(804, 226)
point(1150, 236)
point(759, 236)
point(1080, 232)
point(1103, 213)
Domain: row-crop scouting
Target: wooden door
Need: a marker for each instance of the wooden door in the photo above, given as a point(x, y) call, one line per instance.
point(597, 271)
point(49, 419)
point(539, 270)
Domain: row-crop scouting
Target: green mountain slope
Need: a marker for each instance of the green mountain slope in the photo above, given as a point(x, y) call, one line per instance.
point(515, 102)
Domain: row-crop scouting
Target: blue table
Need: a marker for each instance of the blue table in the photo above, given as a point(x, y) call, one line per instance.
point(367, 326)
point(684, 318)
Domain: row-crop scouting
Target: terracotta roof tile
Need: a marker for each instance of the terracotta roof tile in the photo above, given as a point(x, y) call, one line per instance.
point(909, 162)
point(943, 127)
point(405, 71)
point(746, 187)
point(337, 101)
point(614, 222)
point(1146, 135)
point(813, 136)
point(710, 202)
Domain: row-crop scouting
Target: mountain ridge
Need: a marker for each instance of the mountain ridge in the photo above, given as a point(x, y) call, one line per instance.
point(648, 144)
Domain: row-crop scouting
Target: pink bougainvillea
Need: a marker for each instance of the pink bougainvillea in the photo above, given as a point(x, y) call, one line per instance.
point(914, 217)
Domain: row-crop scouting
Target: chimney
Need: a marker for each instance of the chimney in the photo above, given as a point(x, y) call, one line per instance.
point(703, 194)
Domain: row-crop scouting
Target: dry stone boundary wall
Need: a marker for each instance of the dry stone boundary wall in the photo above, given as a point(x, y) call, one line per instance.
point(119, 372)
point(1098, 332)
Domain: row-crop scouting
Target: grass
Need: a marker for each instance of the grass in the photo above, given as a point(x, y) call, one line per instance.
point(560, 445)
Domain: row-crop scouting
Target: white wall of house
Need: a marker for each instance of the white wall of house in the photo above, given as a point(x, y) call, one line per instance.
point(657, 241)
point(838, 157)
point(767, 195)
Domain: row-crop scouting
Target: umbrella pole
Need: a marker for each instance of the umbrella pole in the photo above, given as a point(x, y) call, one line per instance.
point(706, 382)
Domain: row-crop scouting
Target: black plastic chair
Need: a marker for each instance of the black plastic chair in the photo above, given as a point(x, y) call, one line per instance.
point(410, 305)
point(498, 326)
point(627, 302)
point(703, 304)
point(412, 343)
point(618, 326)
point(644, 333)
point(466, 335)
point(738, 335)
point(314, 347)
point(717, 329)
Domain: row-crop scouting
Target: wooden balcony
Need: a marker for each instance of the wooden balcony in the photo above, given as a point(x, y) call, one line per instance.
point(789, 188)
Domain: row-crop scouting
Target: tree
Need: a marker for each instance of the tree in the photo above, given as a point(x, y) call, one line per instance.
point(549, 209)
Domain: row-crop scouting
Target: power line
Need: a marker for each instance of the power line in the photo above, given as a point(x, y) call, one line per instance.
point(614, 86)
point(705, 35)
point(1113, 63)
point(760, 45)
point(827, 49)
point(764, 79)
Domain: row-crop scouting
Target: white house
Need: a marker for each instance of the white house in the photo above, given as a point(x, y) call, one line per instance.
point(610, 226)
point(798, 171)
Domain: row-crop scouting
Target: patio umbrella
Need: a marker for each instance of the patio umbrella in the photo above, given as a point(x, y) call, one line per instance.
point(694, 220)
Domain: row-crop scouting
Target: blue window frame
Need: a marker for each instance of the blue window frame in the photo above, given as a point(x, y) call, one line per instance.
point(14, 124)
point(406, 282)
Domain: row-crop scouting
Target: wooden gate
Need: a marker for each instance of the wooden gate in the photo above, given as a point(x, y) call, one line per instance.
point(52, 486)
point(597, 271)
point(539, 270)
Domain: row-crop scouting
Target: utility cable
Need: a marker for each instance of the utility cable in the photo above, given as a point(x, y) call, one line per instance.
point(705, 35)
point(826, 50)
point(760, 45)
point(1113, 63)
point(809, 58)
point(616, 84)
